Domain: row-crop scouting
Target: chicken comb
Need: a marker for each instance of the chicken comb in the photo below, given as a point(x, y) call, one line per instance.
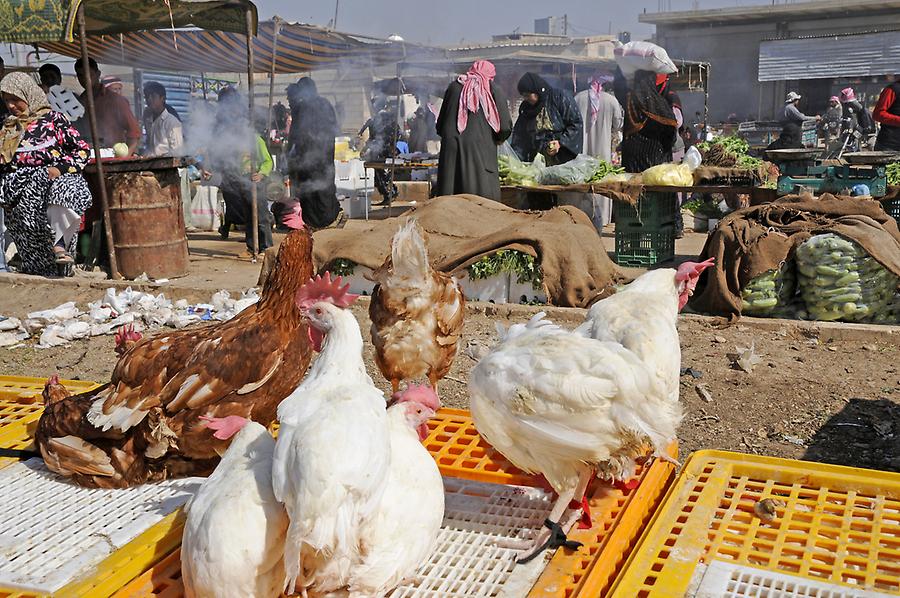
point(689, 270)
point(294, 220)
point(224, 427)
point(324, 288)
point(416, 393)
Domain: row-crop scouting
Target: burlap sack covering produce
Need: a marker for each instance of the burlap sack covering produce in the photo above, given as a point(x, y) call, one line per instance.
point(462, 229)
point(751, 241)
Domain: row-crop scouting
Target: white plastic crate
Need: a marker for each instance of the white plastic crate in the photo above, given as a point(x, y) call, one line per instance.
point(53, 532)
point(466, 562)
point(730, 580)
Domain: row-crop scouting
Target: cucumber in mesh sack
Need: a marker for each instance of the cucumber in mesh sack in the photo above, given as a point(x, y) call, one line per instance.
point(769, 293)
point(838, 280)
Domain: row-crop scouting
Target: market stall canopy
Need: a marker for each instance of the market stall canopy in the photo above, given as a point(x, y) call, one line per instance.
point(53, 21)
point(301, 48)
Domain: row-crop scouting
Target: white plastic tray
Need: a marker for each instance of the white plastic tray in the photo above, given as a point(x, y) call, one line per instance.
point(730, 580)
point(466, 563)
point(53, 532)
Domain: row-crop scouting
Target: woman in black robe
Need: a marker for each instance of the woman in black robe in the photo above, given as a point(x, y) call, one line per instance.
point(468, 162)
point(549, 123)
point(311, 154)
point(650, 124)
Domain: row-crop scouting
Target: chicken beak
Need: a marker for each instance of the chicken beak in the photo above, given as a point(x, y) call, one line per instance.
point(315, 337)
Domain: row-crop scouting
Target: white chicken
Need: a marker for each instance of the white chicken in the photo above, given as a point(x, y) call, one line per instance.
point(402, 533)
point(565, 406)
point(233, 539)
point(333, 450)
point(643, 318)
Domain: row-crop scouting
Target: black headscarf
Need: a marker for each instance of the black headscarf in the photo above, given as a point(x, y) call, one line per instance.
point(532, 83)
point(306, 89)
point(791, 138)
point(645, 104)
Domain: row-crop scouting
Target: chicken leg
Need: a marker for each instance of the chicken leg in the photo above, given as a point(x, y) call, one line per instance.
point(551, 534)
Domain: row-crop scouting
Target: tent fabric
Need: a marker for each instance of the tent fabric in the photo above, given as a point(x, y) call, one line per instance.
point(301, 48)
point(32, 21)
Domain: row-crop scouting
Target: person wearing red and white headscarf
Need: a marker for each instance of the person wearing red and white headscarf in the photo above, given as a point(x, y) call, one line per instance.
point(602, 116)
point(473, 121)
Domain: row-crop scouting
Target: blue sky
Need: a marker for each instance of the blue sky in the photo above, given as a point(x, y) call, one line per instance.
point(445, 22)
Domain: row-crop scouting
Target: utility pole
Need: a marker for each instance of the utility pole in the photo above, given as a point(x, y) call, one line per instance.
point(337, 3)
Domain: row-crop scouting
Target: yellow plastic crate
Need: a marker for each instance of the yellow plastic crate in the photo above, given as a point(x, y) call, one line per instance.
point(832, 525)
point(28, 390)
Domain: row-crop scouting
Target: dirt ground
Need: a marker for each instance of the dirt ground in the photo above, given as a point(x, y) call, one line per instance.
point(833, 401)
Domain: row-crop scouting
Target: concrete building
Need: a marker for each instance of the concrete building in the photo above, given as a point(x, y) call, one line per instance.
point(759, 53)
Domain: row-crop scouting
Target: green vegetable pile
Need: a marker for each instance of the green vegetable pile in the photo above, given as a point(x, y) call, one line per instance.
point(605, 169)
point(770, 292)
point(893, 174)
point(727, 152)
point(514, 172)
point(524, 266)
point(839, 281)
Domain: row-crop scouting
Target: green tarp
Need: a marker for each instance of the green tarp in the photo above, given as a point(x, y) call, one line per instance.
point(31, 21)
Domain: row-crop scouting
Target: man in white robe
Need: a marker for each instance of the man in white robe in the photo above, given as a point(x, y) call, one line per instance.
point(603, 119)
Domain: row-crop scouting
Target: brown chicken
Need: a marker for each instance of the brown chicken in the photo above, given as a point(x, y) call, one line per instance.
point(145, 425)
point(416, 313)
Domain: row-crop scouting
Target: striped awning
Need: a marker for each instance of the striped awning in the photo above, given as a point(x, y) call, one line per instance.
point(301, 48)
point(32, 21)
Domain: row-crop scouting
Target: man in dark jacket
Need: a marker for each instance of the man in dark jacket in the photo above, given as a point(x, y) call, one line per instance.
point(311, 154)
point(474, 120)
point(549, 123)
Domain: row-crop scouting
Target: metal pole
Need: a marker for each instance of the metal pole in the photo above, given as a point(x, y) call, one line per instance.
point(92, 119)
point(395, 139)
point(706, 104)
point(253, 195)
point(277, 23)
point(203, 84)
point(334, 22)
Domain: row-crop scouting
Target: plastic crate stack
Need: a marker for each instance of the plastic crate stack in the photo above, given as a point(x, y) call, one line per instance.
point(645, 232)
point(892, 207)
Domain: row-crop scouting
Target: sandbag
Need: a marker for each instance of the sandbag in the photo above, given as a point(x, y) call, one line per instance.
point(643, 56)
point(204, 215)
point(754, 240)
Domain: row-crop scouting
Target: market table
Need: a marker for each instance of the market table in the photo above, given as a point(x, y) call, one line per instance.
point(146, 215)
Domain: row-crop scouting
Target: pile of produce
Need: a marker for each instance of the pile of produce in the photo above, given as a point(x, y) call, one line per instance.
point(728, 152)
point(524, 266)
point(605, 169)
point(515, 172)
point(583, 169)
point(838, 280)
point(893, 174)
point(770, 293)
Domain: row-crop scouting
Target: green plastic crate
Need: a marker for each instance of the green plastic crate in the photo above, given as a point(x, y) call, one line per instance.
point(653, 209)
point(644, 246)
point(892, 207)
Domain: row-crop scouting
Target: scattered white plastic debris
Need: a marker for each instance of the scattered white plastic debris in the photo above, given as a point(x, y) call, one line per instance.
point(145, 311)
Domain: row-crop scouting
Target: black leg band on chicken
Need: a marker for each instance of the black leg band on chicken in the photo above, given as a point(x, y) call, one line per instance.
point(557, 538)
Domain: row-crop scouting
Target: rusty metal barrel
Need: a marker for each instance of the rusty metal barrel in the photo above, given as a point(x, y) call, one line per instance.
point(147, 220)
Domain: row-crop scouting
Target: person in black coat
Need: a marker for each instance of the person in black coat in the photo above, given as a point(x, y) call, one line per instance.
point(549, 123)
point(474, 120)
point(650, 123)
point(311, 154)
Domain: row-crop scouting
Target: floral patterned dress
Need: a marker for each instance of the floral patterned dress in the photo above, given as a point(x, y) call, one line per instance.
point(26, 189)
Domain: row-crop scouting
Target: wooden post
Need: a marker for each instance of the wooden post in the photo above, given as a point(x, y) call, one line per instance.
point(253, 191)
point(92, 119)
point(277, 22)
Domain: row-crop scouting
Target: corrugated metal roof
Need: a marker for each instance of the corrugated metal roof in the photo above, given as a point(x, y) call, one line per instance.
point(868, 55)
point(772, 12)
